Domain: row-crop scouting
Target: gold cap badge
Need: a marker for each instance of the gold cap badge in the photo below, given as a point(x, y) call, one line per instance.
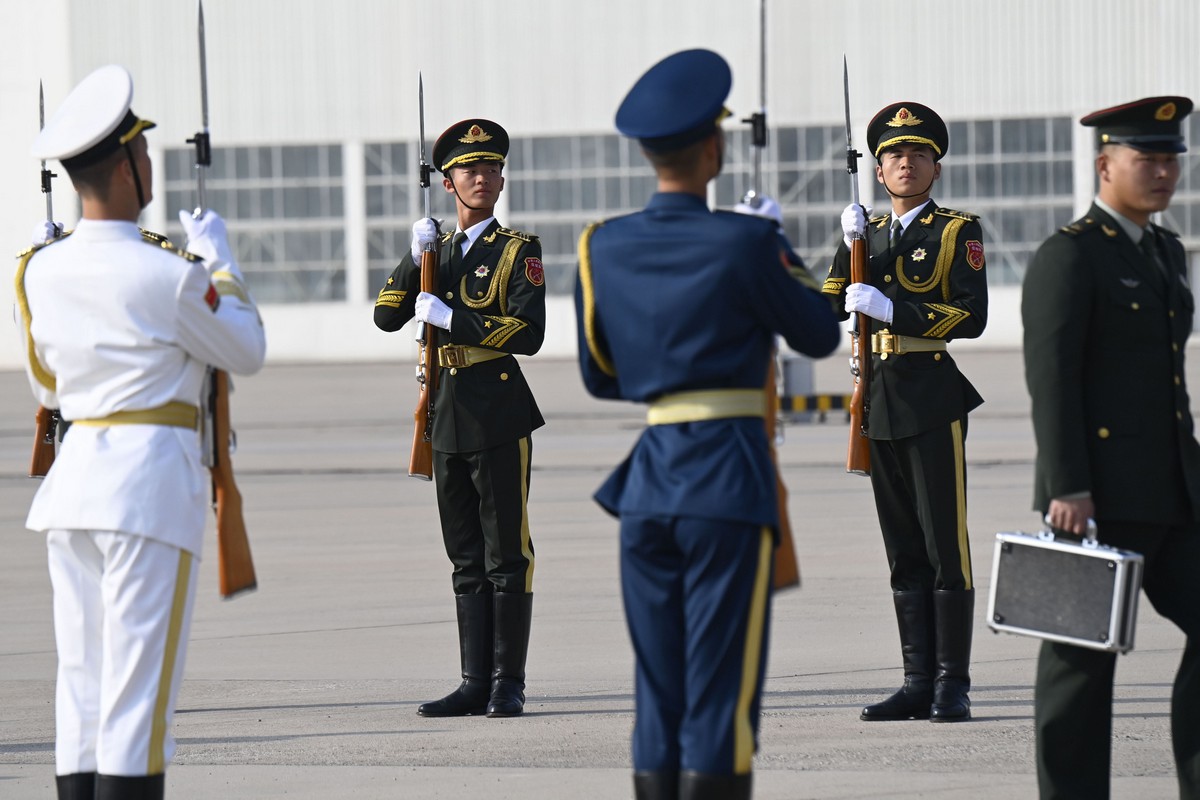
point(903, 118)
point(1165, 112)
point(475, 134)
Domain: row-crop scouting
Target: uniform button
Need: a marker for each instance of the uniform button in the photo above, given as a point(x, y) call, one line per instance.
point(454, 370)
point(1179, 415)
point(479, 294)
point(1175, 347)
point(1102, 433)
point(887, 278)
point(449, 295)
point(1177, 380)
point(1171, 314)
point(1135, 306)
point(937, 356)
point(916, 277)
point(883, 356)
point(503, 376)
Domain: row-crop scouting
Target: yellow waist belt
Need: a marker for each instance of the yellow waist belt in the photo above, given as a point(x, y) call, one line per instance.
point(464, 355)
point(705, 405)
point(174, 414)
point(895, 343)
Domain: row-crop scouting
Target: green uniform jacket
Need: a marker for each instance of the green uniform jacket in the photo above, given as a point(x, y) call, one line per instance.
point(1104, 348)
point(498, 295)
point(937, 283)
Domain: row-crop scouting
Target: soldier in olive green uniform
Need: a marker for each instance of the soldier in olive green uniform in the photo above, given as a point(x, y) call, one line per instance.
point(927, 286)
point(490, 305)
point(1107, 310)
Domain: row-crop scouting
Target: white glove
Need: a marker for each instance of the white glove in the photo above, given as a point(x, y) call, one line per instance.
point(866, 299)
point(432, 310)
point(425, 232)
point(46, 231)
point(207, 238)
point(761, 206)
point(854, 222)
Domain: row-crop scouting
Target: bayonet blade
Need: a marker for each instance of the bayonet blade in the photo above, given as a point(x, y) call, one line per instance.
point(46, 174)
point(423, 164)
point(200, 140)
point(203, 66)
point(852, 155)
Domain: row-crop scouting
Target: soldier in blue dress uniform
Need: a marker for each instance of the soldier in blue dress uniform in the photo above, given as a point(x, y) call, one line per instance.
point(678, 307)
point(927, 286)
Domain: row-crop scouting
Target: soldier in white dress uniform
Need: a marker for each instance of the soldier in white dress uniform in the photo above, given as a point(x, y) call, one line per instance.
point(119, 328)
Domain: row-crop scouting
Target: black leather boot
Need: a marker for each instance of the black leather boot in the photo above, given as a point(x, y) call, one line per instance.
point(656, 785)
point(704, 786)
point(120, 787)
point(914, 617)
point(76, 786)
point(953, 613)
point(475, 652)
point(513, 615)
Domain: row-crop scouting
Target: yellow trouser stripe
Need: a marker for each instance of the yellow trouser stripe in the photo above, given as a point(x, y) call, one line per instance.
point(158, 728)
point(743, 734)
point(960, 490)
point(526, 550)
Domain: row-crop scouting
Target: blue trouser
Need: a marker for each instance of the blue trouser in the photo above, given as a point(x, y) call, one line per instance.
point(697, 601)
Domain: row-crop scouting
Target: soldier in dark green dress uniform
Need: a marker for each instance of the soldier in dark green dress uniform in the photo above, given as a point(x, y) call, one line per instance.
point(491, 305)
point(1107, 309)
point(927, 286)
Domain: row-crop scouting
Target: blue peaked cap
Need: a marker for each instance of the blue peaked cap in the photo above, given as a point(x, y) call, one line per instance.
point(677, 102)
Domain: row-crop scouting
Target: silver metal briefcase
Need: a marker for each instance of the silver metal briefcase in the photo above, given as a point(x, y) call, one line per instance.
point(1081, 593)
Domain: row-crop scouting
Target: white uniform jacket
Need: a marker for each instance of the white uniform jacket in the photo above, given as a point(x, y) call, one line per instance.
point(115, 321)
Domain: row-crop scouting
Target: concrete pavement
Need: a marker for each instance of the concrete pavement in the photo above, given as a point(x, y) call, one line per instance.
point(308, 687)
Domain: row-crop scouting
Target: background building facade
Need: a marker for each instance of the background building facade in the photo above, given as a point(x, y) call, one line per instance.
point(313, 116)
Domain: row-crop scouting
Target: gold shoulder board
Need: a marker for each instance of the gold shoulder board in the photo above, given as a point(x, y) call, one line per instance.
point(949, 212)
point(525, 237)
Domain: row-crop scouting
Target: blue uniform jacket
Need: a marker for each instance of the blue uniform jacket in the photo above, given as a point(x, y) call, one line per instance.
point(680, 298)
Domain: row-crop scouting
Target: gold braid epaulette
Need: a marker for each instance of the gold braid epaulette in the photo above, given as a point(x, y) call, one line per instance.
point(525, 237)
point(949, 212)
point(162, 241)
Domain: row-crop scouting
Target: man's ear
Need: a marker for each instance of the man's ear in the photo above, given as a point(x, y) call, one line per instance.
point(878, 172)
point(937, 170)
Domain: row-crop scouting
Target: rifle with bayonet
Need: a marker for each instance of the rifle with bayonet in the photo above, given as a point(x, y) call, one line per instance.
point(420, 460)
point(858, 452)
point(235, 566)
point(786, 570)
point(46, 420)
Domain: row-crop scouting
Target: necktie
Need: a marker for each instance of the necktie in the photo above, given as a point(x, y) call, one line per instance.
point(897, 233)
point(456, 253)
point(1149, 246)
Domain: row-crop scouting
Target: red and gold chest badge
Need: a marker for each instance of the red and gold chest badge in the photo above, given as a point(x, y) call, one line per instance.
point(533, 271)
point(975, 253)
point(919, 254)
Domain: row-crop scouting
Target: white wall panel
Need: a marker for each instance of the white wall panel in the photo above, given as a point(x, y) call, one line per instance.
point(285, 71)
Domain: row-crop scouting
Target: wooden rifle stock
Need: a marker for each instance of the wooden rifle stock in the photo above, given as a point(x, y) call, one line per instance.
point(858, 452)
point(235, 566)
point(43, 442)
point(420, 461)
point(787, 570)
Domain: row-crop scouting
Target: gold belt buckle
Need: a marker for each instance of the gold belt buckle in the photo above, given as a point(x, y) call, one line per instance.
point(452, 355)
point(884, 343)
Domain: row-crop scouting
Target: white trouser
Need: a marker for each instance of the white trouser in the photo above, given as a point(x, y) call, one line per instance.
point(122, 611)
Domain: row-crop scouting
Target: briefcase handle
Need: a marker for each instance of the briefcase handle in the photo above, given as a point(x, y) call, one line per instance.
point(1090, 540)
